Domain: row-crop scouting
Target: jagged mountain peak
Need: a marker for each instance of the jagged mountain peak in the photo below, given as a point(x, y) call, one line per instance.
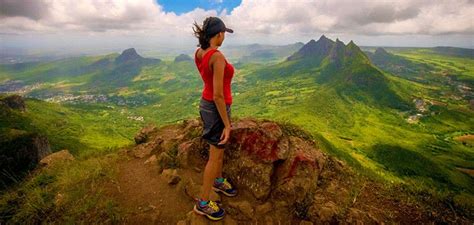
point(352, 45)
point(129, 54)
point(314, 49)
point(323, 37)
point(381, 51)
point(182, 57)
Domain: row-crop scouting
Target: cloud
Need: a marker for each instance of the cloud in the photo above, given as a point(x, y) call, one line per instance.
point(32, 9)
point(262, 19)
point(362, 16)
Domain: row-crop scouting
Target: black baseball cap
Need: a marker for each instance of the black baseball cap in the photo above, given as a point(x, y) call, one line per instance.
point(214, 25)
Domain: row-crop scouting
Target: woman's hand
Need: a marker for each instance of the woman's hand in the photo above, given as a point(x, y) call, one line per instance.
point(225, 135)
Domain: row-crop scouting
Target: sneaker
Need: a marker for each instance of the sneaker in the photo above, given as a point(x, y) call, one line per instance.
point(224, 187)
point(211, 210)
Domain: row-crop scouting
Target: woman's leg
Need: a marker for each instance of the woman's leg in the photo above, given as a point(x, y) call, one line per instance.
point(214, 164)
point(219, 164)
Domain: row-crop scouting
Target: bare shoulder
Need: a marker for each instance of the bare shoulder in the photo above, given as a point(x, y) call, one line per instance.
point(217, 56)
point(199, 52)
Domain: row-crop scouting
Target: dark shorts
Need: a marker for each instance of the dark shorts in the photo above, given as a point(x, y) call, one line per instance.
point(212, 122)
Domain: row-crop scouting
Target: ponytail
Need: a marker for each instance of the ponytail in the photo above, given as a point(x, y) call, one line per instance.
point(200, 33)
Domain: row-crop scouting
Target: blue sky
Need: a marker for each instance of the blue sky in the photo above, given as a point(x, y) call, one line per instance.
point(183, 6)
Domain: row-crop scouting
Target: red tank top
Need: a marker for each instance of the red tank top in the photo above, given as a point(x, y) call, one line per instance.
point(206, 75)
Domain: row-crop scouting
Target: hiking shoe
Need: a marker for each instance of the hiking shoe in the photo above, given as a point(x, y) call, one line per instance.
point(211, 210)
point(225, 187)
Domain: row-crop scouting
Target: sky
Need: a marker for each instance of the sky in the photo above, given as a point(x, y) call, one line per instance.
point(103, 24)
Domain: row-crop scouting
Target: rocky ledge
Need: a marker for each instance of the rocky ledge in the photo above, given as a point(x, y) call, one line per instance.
point(280, 169)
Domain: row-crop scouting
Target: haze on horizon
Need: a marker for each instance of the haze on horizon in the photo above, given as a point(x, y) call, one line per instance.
point(82, 25)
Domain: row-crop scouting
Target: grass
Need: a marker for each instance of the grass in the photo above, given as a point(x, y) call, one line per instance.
point(373, 138)
point(69, 192)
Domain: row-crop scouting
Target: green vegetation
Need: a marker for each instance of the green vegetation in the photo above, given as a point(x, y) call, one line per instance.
point(355, 110)
point(67, 193)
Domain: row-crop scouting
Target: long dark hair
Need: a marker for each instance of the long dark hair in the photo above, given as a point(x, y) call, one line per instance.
point(200, 33)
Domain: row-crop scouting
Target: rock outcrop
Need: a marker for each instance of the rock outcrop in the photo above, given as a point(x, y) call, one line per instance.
point(20, 151)
point(280, 169)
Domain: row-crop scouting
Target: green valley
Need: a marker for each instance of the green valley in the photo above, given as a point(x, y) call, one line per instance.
point(404, 117)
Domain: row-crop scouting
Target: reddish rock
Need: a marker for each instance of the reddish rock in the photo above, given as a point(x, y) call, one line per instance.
point(252, 152)
point(297, 176)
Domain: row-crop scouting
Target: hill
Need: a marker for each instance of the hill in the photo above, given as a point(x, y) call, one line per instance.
point(398, 66)
point(344, 68)
point(96, 74)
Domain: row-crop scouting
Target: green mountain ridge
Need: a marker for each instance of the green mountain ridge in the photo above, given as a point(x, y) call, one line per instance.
point(343, 67)
point(332, 90)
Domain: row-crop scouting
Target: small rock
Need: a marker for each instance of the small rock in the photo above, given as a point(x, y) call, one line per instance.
point(56, 157)
point(144, 134)
point(151, 160)
point(171, 175)
point(197, 169)
point(148, 208)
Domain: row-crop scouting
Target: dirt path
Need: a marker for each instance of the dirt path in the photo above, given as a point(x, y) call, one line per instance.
point(146, 197)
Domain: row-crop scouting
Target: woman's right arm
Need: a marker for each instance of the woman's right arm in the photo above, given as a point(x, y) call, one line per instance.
point(218, 65)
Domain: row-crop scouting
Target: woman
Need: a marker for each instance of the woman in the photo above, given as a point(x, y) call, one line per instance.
point(214, 109)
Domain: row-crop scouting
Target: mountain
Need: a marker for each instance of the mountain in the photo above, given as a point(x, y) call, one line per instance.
point(131, 56)
point(121, 71)
point(397, 65)
point(92, 73)
point(346, 69)
point(316, 50)
point(182, 57)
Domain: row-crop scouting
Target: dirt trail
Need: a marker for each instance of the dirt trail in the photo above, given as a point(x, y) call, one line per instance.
point(146, 197)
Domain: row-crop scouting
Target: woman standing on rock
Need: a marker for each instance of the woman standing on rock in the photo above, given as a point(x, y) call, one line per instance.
point(214, 109)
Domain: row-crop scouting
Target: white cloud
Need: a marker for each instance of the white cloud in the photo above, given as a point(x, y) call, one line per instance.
point(356, 17)
point(256, 19)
